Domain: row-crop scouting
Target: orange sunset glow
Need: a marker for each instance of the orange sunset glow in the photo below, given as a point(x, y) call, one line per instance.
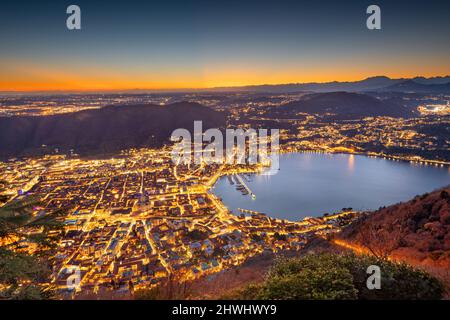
point(40, 79)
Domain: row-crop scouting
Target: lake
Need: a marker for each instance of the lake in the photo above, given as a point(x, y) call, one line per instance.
point(311, 184)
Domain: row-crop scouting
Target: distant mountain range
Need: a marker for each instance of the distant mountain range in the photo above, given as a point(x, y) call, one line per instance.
point(379, 83)
point(105, 130)
point(417, 87)
point(345, 105)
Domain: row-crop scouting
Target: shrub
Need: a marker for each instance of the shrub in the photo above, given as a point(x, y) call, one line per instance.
point(332, 276)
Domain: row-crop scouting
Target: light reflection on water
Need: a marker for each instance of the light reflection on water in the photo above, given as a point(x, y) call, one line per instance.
point(310, 184)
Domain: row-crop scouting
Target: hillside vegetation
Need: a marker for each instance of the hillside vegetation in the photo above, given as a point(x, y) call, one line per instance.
point(343, 277)
point(416, 232)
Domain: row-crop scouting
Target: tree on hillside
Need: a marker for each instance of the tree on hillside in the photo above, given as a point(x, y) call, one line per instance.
point(379, 242)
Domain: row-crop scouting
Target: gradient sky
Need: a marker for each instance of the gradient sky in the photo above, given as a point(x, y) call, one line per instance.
point(194, 44)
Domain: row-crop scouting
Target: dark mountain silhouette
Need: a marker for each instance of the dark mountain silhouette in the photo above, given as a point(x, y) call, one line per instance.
point(104, 130)
point(363, 85)
point(369, 84)
point(432, 80)
point(344, 105)
point(413, 86)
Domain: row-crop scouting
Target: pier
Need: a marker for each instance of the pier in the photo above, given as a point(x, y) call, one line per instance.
point(251, 212)
point(241, 181)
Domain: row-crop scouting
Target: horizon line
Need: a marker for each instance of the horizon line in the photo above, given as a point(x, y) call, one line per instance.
point(190, 89)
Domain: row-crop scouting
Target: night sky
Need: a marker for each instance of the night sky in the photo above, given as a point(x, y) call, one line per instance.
point(193, 44)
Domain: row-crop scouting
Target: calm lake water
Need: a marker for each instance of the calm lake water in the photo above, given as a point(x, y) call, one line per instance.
point(310, 184)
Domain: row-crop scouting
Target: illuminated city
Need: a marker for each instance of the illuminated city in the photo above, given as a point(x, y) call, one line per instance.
point(250, 151)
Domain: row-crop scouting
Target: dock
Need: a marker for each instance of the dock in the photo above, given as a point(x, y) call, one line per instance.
point(252, 212)
point(241, 182)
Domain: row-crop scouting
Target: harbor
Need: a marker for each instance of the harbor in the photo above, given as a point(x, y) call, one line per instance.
point(241, 185)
